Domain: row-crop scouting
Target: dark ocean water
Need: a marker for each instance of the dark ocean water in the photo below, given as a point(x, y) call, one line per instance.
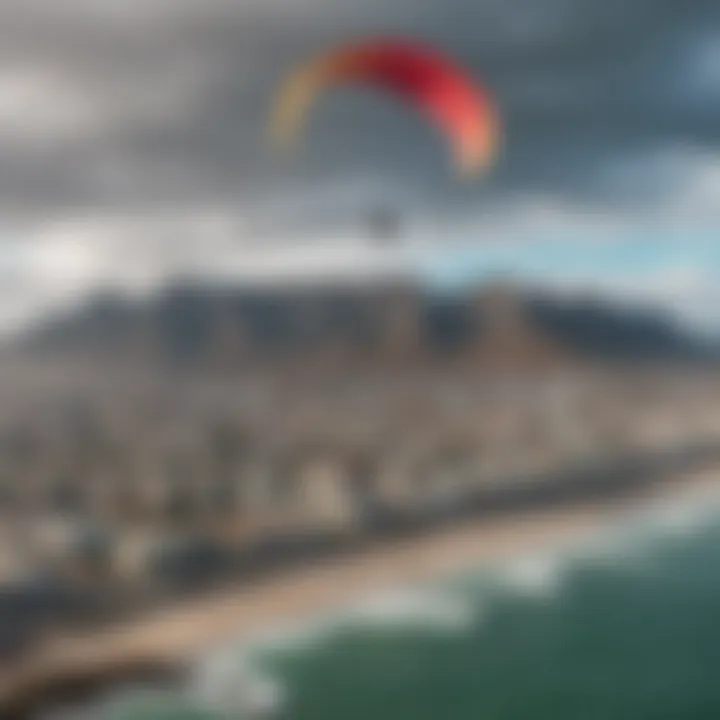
point(626, 625)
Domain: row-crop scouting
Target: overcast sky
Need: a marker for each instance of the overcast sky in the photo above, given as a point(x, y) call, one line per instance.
point(131, 136)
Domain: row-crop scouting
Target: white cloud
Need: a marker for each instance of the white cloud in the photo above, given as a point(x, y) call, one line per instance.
point(39, 106)
point(65, 256)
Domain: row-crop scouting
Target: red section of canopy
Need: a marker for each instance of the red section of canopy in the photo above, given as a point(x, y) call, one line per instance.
point(428, 80)
point(421, 75)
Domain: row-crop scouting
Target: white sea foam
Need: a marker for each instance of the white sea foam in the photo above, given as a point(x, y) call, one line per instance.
point(537, 576)
point(684, 518)
point(231, 686)
point(300, 635)
point(635, 542)
point(612, 550)
point(233, 678)
point(417, 608)
point(431, 609)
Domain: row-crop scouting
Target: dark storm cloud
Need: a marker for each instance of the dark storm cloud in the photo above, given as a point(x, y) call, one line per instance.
point(135, 105)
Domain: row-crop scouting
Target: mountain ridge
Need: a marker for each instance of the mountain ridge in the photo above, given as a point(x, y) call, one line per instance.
point(193, 322)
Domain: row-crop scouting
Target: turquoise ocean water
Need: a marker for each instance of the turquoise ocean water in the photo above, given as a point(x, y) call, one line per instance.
point(623, 625)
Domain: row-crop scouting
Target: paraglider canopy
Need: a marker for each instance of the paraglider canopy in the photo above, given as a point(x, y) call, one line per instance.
point(456, 104)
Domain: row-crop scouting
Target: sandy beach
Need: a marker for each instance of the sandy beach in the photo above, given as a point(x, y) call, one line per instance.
point(180, 633)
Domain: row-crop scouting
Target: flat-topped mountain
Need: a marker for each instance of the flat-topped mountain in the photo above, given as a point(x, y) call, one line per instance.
point(191, 323)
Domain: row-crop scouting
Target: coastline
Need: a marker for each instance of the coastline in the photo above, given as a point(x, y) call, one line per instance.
point(165, 640)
